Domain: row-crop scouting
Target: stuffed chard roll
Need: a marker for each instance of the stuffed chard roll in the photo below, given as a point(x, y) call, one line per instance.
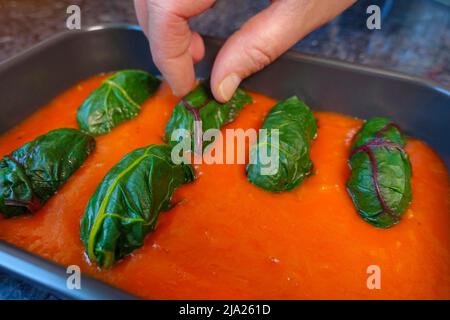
point(32, 174)
point(198, 112)
point(380, 180)
point(296, 127)
point(127, 203)
point(118, 99)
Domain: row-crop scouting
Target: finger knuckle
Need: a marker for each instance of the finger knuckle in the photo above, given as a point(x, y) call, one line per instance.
point(259, 56)
point(166, 6)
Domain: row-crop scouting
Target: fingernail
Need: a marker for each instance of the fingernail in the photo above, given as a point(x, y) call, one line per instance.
point(228, 86)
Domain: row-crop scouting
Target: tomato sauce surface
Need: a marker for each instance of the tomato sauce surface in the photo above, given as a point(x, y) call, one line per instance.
point(228, 239)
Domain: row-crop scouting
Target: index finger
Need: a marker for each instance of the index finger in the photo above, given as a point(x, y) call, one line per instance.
point(174, 46)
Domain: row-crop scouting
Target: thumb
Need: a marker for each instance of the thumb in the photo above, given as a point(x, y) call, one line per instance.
point(265, 37)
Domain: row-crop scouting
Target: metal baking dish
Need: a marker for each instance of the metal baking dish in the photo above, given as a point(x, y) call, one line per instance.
point(31, 79)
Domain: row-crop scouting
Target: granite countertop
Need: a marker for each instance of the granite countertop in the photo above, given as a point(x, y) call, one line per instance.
point(414, 39)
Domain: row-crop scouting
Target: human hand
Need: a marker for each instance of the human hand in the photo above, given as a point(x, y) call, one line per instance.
point(175, 47)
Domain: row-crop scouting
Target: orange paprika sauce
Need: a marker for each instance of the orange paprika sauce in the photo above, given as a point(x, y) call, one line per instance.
point(230, 240)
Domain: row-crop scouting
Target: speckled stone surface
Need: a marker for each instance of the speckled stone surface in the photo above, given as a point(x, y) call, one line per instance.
point(414, 39)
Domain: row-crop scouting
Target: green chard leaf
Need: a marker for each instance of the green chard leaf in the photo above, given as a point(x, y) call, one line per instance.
point(118, 99)
point(127, 203)
point(199, 105)
point(32, 174)
point(297, 128)
point(380, 180)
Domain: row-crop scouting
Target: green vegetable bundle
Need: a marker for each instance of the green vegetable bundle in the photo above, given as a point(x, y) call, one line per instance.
point(32, 174)
point(127, 203)
point(297, 128)
point(380, 180)
point(199, 105)
point(118, 99)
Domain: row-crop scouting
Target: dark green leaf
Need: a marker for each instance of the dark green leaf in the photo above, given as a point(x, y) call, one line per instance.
point(127, 203)
point(380, 180)
point(297, 128)
point(201, 104)
point(381, 128)
point(30, 175)
point(119, 98)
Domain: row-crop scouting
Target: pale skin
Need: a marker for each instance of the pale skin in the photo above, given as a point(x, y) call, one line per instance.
point(262, 39)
